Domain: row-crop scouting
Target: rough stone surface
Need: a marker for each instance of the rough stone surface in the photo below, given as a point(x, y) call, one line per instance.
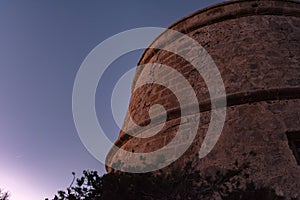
point(256, 46)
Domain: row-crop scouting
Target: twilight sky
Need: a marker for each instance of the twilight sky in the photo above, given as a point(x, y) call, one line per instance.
point(42, 45)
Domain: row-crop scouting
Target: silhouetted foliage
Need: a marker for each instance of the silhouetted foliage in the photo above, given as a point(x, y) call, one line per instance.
point(4, 195)
point(178, 184)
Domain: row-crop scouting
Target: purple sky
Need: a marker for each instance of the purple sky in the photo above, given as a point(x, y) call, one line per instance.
point(42, 45)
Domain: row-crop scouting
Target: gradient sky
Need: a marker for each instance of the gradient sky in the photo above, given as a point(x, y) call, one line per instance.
point(42, 45)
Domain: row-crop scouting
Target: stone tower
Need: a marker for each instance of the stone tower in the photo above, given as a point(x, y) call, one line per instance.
point(256, 47)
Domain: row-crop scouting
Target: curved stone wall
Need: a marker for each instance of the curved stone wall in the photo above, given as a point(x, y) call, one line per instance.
point(256, 47)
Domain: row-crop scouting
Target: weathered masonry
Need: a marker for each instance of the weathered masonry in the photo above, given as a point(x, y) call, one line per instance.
point(256, 47)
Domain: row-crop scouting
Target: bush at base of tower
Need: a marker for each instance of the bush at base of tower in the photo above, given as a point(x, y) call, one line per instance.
point(232, 184)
